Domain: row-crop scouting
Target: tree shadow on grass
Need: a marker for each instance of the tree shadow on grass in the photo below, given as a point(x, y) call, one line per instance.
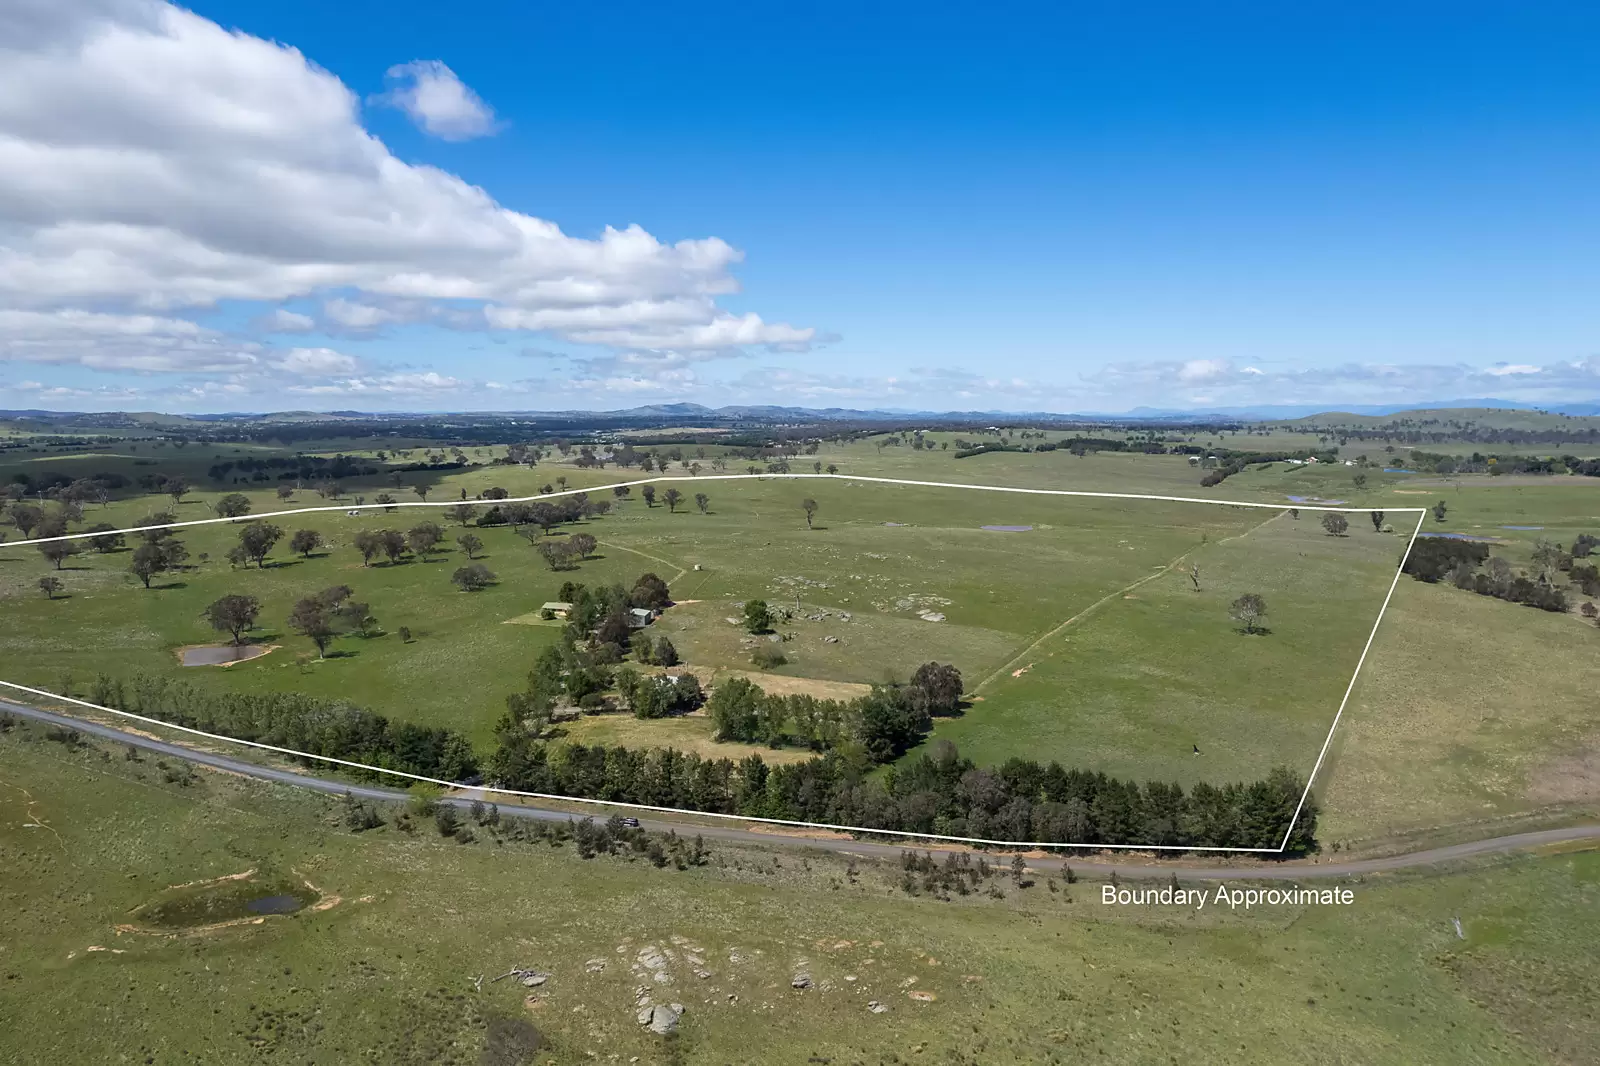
point(1258, 631)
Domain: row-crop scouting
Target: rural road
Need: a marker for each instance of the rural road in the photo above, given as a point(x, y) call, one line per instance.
point(1245, 871)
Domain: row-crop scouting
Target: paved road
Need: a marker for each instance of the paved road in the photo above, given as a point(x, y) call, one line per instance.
point(1243, 871)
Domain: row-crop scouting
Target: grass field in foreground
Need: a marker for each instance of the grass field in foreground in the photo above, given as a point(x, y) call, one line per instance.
point(387, 974)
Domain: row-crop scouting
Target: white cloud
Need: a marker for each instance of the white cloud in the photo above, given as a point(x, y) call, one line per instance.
point(318, 362)
point(427, 383)
point(1173, 383)
point(437, 101)
point(136, 342)
point(282, 320)
point(151, 161)
point(356, 317)
point(1196, 370)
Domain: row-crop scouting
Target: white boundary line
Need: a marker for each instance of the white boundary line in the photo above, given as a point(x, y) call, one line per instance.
point(708, 477)
point(1323, 754)
point(1421, 513)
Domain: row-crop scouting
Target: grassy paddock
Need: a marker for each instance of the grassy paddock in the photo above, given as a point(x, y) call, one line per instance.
point(1040, 974)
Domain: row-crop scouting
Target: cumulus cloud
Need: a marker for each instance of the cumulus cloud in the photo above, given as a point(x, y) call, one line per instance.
point(1218, 382)
point(437, 101)
point(317, 362)
point(426, 383)
point(282, 320)
point(105, 341)
point(152, 162)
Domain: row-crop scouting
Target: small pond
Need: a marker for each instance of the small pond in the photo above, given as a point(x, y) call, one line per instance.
point(1397, 470)
point(1314, 499)
point(224, 900)
point(221, 654)
point(1522, 527)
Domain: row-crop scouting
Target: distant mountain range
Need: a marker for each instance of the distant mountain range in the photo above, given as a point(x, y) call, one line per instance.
point(688, 413)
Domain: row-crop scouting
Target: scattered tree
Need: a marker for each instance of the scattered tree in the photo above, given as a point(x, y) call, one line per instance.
point(422, 492)
point(1439, 511)
point(664, 653)
point(50, 585)
point(107, 539)
point(1248, 610)
point(26, 518)
point(1360, 482)
point(650, 593)
point(1335, 523)
point(583, 544)
point(393, 543)
point(470, 543)
point(649, 494)
point(757, 616)
point(461, 513)
point(768, 657)
point(285, 492)
point(177, 487)
point(423, 538)
point(1377, 521)
point(935, 689)
point(257, 539)
point(157, 556)
point(233, 614)
point(233, 505)
point(304, 542)
point(312, 620)
point(672, 497)
point(58, 551)
point(369, 543)
point(557, 554)
point(472, 578)
point(809, 506)
point(702, 501)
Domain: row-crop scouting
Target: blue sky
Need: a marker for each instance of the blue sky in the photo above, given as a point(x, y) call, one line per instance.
point(1065, 207)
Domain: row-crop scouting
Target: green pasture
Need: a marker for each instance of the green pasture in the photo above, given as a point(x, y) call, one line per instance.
point(1136, 686)
point(1442, 656)
point(1043, 973)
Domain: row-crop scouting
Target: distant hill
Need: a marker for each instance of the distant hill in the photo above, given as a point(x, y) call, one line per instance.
point(1482, 411)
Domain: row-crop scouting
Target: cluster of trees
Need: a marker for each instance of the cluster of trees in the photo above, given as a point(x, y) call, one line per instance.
point(159, 550)
point(546, 514)
point(935, 793)
point(1435, 559)
point(1232, 462)
point(879, 727)
point(565, 554)
point(420, 541)
point(304, 723)
point(578, 671)
point(658, 695)
point(329, 614)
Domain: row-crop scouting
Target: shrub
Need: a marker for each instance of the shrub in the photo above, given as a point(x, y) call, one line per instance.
point(768, 657)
